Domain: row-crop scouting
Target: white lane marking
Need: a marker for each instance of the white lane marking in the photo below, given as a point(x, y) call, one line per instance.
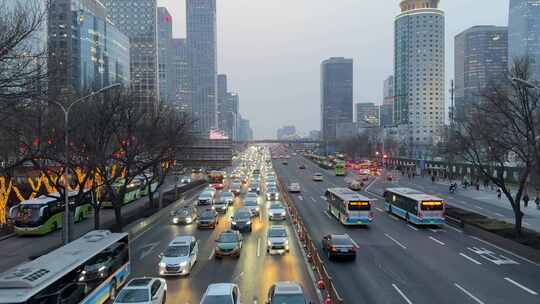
point(453, 228)
point(436, 241)
point(465, 291)
point(469, 258)
point(401, 294)
point(313, 199)
point(395, 241)
point(326, 213)
point(300, 198)
point(435, 230)
point(323, 197)
point(147, 249)
point(521, 286)
point(412, 227)
point(504, 250)
point(379, 209)
point(498, 214)
point(258, 247)
point(212, 254)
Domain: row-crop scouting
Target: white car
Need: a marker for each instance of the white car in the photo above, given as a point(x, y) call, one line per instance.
point(276, 211)
point(278, 240)
point(143, 291)
point(179, 257)
point(294, 188)
point(222, 293)
point(253, 206)
point(318, 177)
point(286, 292)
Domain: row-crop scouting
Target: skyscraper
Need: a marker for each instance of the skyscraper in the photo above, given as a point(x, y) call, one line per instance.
point(166, 55)
point(336, 95)
point(137, 20)
point(367, 114)
point(387, 108)
point(524, 33)
point(202, 52)
point(181, 73)
point(481, 60)
point(86, 51)
point(419, 73)
point(222, 101)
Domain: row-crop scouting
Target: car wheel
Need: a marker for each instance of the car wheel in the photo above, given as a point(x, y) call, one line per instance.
point(164, 300)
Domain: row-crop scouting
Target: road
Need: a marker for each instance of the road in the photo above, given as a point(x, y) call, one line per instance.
point(254, 271)
point(16, 250)
point(401, 263)
point(482, 202)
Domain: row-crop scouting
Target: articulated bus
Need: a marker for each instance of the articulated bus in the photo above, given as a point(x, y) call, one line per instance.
point(44, 214)
point(414, 206)
point(89, 270)
point(133, 192)
point(339, 168)
point(349, 207)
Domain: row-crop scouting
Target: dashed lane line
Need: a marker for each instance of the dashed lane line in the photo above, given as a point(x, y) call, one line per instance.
point(412, 227)
point(465, 291)
point(521, 286)
point(395, 241)
point(401, 294)
point(469, 258)
point(437, 241)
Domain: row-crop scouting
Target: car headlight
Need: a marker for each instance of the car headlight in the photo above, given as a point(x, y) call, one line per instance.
point(189, 219)
point(248, 223)
point(162, 264)
point(286, 242)
point(257, 208)
point(183, 264)
point(269, 243)
point(283, 213)
point(175, 220)
point(234, 223)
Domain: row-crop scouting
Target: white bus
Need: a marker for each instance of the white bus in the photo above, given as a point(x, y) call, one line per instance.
point(414, 206)
point(349, 207)
point(88, 270)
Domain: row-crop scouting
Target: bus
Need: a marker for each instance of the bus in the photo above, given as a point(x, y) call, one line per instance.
point(349, 207)
point(146, 186)
point(88, 270)
point(216, 177)
point(414, 206)
point(339, 168)
point(45, 214)
point(133, 192)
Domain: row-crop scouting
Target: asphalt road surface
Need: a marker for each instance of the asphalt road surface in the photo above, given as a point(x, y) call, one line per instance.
point(402, 263)
point(254, 271)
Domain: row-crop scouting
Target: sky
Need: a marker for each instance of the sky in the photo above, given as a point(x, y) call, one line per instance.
point(271, 50)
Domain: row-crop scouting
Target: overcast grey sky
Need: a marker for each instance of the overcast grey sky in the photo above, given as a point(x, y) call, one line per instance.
point(271, 50)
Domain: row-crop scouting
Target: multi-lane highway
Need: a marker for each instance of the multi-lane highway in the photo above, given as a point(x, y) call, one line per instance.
point(254, 272)
point(401, 263)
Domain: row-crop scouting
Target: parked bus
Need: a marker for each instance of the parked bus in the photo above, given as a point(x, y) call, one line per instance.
point(414, 206)
point(349, 207)
point(145, 185)
point(339, 168)
point(133, 192)
point(88, 270)
point(44, 214)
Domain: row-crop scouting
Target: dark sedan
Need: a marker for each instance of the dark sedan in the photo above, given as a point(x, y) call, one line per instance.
point(339, 246)
point(241, 220)
point(207, 219)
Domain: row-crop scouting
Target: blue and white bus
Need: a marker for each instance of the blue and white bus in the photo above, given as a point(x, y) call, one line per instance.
point(88, 270)
point(414, 206)
point(349, 207)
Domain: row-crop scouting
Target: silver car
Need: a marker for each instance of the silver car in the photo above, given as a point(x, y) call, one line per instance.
point(276, 211)
point(278, 240)
point(253, 206)
point(179, 257)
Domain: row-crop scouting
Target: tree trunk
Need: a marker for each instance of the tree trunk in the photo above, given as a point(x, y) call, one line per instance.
point(96, 216)
point(519, 221)
point(118, 214)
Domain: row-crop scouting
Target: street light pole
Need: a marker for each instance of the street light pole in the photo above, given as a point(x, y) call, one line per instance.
point(66, 231)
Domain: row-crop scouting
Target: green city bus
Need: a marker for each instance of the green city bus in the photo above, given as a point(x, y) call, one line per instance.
point(45, 214)
point(133, 192)
point(339, 168)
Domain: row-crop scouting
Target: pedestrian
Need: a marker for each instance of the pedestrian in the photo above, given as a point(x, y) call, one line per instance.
point(499, 193)
point(526, 200)
point(433, 178)
point(537, 201)
point(477, 186)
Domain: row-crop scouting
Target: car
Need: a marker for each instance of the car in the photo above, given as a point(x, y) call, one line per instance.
point(241, 220)
point(286, 292)
point(302, 167)
point(211, 190)
point(270, 184)
point(184, 215)
point(221, 205)
point(208, 219)
point(252, 195)
point(144, 290)
point(278, 240)
point(221, 293)
point(318, 177)
point(205, 198)
point(285, 162)
point(272, 194)
point(254, 187)
point(227, 197)
point(217, 186)
point(179, 257)
point(339, 245)
point(229, 243)
point(276, 211)
point(295, 188)
point(236, 188)
point(185, 180)
point(253, 205)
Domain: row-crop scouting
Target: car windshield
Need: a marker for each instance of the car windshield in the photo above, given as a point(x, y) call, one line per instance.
point(341, 241)
point(288, 299)
point(133, 296)
point(227, 238)
point(276, 206)
point(221, 299)
point(277, 233)
point(250, 203)
point(272, 190)
point(183, 212)
point(207, 215)
point(251, 195)
point(226, 195)
point(176, 251)
point(242, 215)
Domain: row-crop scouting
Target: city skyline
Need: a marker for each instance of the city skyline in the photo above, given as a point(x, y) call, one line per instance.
point(351, 21)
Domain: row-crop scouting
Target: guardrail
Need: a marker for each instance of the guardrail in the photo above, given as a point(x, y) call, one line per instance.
point(324, 280)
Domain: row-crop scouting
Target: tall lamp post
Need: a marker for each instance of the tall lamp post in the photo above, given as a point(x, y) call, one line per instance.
point(66, 231)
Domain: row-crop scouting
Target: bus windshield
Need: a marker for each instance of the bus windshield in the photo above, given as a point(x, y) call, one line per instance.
point(432, 206)
point(28, 213)
point(359, 206)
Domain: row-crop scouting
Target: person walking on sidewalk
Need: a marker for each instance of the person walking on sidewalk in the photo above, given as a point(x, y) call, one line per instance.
point(499, 193)
point(526, 200)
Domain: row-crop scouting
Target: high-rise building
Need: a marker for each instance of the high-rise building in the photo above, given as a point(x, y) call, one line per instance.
point(245, 131)
point(481, 60)
point(367, 114)
point(232, 116)
point(387, 108)
point(137, 20)
point(202, 52)
point(167, 89)
point(222, 101)
point(336, 95)
point(524, 33)
point(388, 90)
point(86, 51)
point(419, 73)
point(286, 132)
point(181, 73)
